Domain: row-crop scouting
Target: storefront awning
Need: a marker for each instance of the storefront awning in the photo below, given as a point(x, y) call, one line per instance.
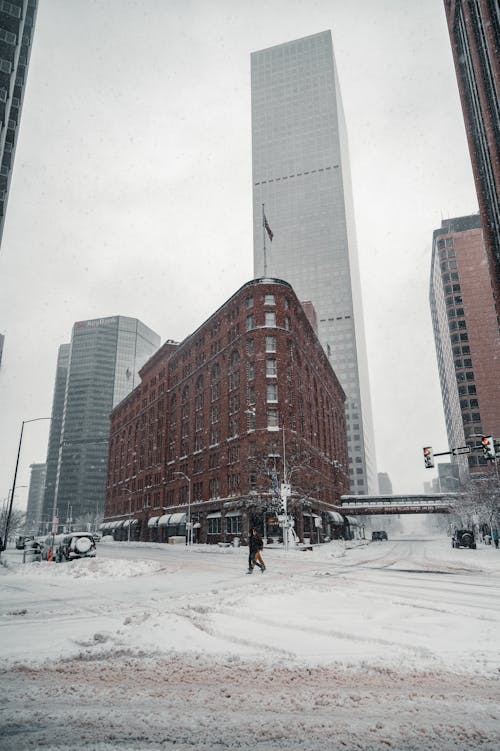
point(163, 520)
point(232, 513)
point(176, 519)
point(352, 521)
point(216, 515)
point(130, 523)
point(335, 517)
point(153, 521)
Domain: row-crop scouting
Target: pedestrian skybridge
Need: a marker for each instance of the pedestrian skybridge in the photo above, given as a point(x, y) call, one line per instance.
point(429, 503)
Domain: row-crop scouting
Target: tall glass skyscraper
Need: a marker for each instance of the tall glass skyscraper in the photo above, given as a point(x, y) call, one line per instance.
point(17, 20)
point(301, 176)
point(102, 365)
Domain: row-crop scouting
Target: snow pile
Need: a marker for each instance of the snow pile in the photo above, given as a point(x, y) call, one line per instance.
point(85, 568)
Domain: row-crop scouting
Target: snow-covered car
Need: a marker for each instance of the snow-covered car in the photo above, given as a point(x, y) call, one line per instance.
point(380, 534)
point(22, 540)
point(74, 545)
point(463, 538)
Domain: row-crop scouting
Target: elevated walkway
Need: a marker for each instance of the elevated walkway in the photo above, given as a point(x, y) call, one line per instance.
point(429, 503)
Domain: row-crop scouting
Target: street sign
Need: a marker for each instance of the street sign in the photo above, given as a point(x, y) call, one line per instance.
point(461, 450)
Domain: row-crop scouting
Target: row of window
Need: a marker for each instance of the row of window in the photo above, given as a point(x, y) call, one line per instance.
point(269, 321)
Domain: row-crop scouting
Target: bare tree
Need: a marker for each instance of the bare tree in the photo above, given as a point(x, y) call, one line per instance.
point(304, 471)
point(16, 523)
point(479, 502)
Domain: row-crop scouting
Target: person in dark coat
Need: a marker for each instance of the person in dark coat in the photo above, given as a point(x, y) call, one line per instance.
point(255, 545)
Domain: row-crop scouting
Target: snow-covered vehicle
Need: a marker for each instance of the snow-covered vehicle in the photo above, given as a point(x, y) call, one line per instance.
point(463, 538)
point(73, 545)
point(22, 540)
point(379, 534)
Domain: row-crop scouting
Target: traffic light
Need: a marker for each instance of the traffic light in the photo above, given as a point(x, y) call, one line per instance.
point(428, 457)
point(488, 445)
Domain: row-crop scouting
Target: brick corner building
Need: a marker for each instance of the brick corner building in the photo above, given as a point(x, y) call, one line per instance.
point(203, 436)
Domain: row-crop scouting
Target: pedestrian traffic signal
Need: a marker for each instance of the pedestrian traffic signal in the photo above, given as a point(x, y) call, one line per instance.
point(428, 457)
point(488, 445)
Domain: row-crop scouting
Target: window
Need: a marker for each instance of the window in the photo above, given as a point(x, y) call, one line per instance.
point(270, 318)
point(287, 323)
point(251, 371)
point(273, 419)
point(272, 392)
point(250, 346)
point(271, 367)
point(233, 525)
point(214, 526)
point(213, 487)
point(269, 300)
point(270, 344)
point(249, 302)
point(250, 323)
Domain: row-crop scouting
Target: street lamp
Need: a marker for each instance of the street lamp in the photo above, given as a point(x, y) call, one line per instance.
point(188, 523)
point(7, 522)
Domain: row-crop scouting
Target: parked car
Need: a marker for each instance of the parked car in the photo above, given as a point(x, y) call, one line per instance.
point(75, 545)
point(463, 538)
point(380, 534)
point(22, 540)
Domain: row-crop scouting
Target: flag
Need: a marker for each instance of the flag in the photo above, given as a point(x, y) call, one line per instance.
point(268, 229)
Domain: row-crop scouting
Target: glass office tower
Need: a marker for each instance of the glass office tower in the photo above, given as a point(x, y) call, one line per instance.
point(103, 365)
point(17, 21)
point(301, 177)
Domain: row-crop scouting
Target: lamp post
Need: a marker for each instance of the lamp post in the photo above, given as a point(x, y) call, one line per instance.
point(9, 512)
point(188, 523)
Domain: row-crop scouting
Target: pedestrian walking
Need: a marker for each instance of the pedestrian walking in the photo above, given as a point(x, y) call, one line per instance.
point(255, 545)
point(495, 537)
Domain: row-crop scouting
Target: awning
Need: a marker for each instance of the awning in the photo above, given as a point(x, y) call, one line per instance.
point(130, 523)
point(163, 520)
point(335, 517)
point(120, 523)
point(232, 513)
point(102, 526)
point(153, 521)
point(176, 519)
point(352, 521)
point(216, 515)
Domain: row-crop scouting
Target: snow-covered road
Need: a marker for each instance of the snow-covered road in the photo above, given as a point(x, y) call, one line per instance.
point(383, 645)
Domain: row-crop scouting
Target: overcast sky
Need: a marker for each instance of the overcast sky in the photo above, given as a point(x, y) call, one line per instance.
point(132, 190)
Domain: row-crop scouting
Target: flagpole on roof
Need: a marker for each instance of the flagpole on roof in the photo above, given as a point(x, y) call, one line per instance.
point(264, 239)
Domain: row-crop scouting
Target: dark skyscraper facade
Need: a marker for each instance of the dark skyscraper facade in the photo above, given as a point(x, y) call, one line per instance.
point(17, 19)
point(474, 27)
point(301, 174)
point(97, 370)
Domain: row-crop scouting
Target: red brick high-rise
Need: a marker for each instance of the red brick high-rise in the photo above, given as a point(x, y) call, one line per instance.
point(466, 336)
point(205, 431)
